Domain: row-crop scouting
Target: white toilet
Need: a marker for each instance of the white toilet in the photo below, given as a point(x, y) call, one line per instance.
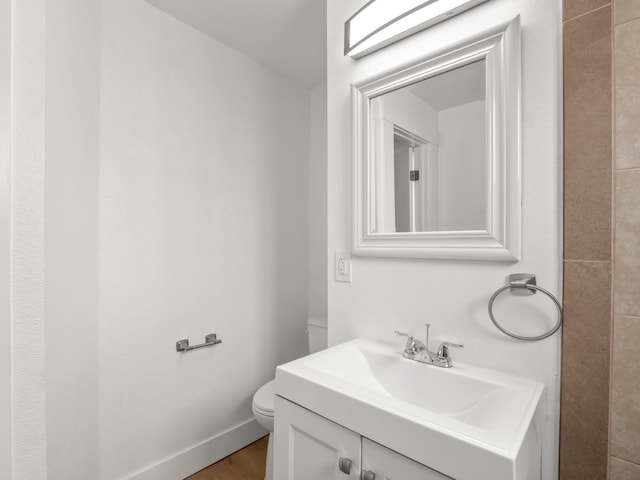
point(264, 399)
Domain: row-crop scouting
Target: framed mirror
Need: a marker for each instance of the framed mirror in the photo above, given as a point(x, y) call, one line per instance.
point(437, 154)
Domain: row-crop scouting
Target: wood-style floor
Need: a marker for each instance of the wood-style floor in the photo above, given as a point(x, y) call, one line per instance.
point(245, 464)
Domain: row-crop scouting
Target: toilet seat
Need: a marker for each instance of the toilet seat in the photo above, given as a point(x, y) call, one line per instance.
point(264, 399)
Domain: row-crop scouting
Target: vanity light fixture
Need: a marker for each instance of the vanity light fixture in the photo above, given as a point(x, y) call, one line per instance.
point(382, 22)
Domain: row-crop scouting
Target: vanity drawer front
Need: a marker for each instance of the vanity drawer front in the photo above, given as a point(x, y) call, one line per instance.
point(389, 465)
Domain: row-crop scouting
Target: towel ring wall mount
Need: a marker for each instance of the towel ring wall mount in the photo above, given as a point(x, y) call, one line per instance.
point(524, 284)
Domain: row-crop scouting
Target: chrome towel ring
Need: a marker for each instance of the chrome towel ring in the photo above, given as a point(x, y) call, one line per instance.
point(525, 284)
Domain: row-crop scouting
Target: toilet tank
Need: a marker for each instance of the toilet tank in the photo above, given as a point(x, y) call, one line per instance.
point(317, 333)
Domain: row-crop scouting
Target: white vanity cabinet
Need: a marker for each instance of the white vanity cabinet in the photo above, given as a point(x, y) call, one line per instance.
point(481, 425)
point(311, 447)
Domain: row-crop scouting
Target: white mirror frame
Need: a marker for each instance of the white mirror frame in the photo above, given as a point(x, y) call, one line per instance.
point(500, 47)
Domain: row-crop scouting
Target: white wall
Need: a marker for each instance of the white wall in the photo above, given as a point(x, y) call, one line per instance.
point(71, 237)
point(53, 230)
point(203, 228)
point(389, 294)
point(462, 167)
point(27, 240)
point(159, 191)
point(5, 199)
point(317, 210)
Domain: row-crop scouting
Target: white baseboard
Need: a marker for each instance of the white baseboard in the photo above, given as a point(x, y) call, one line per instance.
point(193, 459)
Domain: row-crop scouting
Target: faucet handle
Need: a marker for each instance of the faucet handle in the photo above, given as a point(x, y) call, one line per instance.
point(443, 349)
point(402, 334)
point(413, 345)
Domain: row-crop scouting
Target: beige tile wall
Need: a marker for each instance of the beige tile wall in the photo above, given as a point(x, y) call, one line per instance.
point(600, 400)
point(625, 385)
point(575, 8)
point(587, 136)
point(621, 470)
point(584, 417)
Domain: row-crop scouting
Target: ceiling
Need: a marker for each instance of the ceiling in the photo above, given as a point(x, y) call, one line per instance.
point(287, 36)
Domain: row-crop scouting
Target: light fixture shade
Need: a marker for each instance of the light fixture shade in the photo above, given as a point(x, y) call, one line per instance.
point(382, 22)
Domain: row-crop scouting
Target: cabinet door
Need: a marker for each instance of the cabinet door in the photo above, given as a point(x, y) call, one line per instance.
point(310, 447)
point(386, 464)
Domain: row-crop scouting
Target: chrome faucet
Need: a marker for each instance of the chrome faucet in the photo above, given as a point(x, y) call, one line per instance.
point(418, 351)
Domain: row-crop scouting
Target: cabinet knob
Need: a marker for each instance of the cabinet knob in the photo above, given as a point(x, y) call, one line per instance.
point(344, 464)
point(367, 475)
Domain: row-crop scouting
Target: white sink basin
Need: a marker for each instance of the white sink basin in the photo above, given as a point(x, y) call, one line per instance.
point(465, 421)
point(408, 381)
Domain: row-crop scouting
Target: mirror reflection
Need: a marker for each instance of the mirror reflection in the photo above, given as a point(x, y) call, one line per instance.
point(429, 162)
